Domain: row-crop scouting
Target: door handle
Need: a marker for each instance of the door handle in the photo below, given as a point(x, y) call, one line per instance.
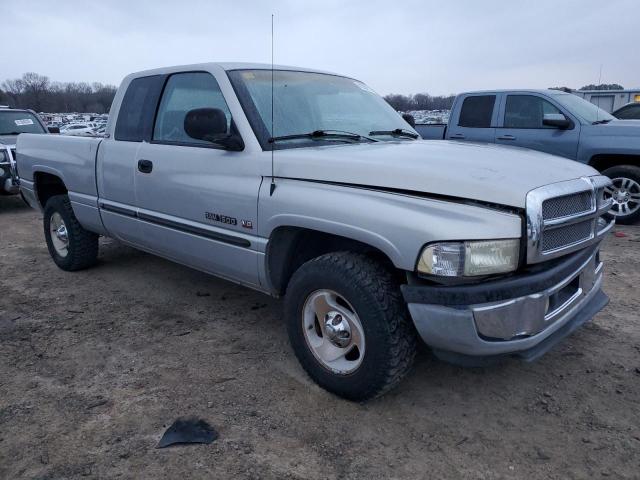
point(506, 137)
point(458, 135)
point(145, 166)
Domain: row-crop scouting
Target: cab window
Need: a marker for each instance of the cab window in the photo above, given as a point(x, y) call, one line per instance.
point(184, 92)
point(632, 112)
point(527, 111)
point(477, 111)
point(138, 106)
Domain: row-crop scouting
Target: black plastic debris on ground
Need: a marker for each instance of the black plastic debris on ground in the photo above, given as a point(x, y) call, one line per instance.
point(188, 430)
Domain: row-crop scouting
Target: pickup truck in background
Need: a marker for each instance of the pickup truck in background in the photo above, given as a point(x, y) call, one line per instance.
point(630, 111)
point(373, 236)
point(554, 122)
point(13, 122)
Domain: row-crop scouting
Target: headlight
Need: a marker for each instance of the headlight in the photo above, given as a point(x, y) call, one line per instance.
point(468, 259)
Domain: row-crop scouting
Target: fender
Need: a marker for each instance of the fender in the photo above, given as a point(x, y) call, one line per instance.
point(396, 224)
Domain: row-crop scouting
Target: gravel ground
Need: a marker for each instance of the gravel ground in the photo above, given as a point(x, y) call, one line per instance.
point(96, 364)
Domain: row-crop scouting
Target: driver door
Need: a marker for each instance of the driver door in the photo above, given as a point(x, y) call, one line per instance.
point(197, 203)
point(521, 125)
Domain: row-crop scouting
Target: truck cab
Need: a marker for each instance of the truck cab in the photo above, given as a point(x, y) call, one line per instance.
point(528, 118)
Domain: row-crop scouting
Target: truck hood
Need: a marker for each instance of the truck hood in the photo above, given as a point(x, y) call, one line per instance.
point(483, 172)
point(615, 128)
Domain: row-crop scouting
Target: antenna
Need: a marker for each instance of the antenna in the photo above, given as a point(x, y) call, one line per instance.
point(599, 83)
point(600, 76)
point(273, 145)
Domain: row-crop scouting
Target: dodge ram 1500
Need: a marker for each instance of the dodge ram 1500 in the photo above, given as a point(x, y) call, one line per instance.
point(308, 185)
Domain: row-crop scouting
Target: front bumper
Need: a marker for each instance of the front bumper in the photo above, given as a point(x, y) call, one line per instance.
point(522, 316)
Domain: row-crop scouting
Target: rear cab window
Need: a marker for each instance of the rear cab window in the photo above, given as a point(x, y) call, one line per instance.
point(135, 117)
point(477, 111)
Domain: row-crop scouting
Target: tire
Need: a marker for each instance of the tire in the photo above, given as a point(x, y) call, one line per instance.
point(366, 293)
point(626, 180)
point(81, 247)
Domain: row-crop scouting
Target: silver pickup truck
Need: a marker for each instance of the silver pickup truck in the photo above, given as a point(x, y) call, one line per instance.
point(307, 185)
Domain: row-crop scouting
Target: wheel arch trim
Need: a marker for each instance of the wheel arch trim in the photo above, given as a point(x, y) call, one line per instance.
point(285, 238)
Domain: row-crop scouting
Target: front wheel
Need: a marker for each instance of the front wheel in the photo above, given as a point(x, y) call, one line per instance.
point(348, 325)
point(71, 246)
point(625, 192)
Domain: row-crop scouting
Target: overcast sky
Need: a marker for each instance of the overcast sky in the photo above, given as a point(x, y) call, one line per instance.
point(439, 47)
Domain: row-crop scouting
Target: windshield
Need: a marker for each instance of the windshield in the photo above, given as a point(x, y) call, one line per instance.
point(15, 122)
point(307, 102)
point(587, 111)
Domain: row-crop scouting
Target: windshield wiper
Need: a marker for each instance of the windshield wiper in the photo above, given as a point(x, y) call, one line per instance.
point(600, 122)
point(11, 133)
point(398, 132)
point(324, 135)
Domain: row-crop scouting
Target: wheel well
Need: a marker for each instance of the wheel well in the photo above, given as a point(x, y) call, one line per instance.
point(603, 161)
point(47, 186)
point(290, 247)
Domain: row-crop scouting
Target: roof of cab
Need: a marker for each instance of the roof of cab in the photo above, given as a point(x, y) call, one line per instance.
point(228, 66)
point(8, 108)
point(544, 91)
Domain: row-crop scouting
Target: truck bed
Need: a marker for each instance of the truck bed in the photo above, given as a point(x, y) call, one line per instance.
point(72, 159)
point(431, 131)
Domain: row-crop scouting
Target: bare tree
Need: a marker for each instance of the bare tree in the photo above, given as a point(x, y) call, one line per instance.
point(39, 93)
point(401, 103)
point(603, 86)
point(4, 98)
point(419, 101)
point(35, 88)
point(13, 87)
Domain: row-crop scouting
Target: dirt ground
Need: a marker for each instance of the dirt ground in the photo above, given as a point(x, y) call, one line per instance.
point(95, 365)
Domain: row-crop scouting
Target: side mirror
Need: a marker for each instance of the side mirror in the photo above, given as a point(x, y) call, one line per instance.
point(556, 120)
point(205, 123)
point(409, 119)
point(210, 124)
point(53, 129)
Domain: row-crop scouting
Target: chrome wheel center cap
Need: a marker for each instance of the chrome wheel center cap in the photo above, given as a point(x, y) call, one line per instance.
point(337, 329)
point(622, 196)
point(61, 233)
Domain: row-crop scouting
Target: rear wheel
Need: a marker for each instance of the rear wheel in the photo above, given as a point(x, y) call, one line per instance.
point(71, 246)
point(625, 192)
point(349, 326)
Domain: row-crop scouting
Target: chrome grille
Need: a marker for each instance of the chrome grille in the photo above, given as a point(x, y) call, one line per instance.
point(13, 168)
point(567, 205)
point(566, 216)
point(567, 235)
